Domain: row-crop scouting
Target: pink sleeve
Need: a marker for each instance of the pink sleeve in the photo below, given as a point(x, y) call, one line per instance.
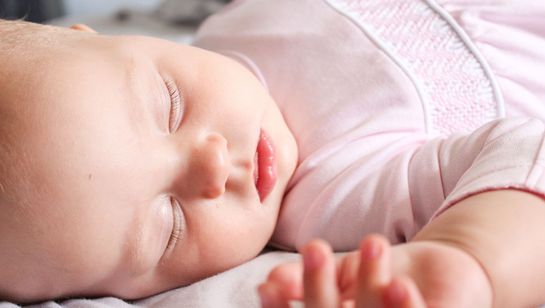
point(505, 153)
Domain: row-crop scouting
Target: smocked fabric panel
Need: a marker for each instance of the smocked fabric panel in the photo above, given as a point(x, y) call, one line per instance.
point(432, 50)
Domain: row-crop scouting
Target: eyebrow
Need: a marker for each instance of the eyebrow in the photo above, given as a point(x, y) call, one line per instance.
point(143, 101)
point(131, 84)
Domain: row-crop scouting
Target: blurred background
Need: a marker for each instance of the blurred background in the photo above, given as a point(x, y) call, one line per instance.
point(170, 19)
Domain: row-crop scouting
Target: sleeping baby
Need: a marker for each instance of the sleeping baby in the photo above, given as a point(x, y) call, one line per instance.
point(131, 165)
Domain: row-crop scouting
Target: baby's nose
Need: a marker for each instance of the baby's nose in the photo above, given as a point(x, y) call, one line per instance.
point(211, 166)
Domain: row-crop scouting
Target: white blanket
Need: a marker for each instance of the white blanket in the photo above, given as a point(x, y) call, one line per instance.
point(234, 288)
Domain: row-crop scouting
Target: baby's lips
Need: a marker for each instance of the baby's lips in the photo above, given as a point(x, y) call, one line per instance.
point(266, 166)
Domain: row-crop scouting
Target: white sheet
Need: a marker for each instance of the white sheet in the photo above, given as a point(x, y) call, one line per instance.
point(233, 288)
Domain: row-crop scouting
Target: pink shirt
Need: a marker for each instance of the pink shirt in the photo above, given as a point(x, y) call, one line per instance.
point(387, 100)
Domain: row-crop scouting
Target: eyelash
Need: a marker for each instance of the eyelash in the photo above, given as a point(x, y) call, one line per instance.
point(176, 224)
point(175, 113)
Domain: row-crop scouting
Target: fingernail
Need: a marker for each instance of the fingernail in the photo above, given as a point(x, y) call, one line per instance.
point(371, 250)
point(312, 258)
point(396, 292)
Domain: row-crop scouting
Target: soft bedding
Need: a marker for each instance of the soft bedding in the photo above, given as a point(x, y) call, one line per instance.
point(233, 288)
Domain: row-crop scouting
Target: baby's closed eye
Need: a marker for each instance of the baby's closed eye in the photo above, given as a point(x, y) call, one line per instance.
point(176, 105)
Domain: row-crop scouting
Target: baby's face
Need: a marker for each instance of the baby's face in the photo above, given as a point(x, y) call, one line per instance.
point(140, 162)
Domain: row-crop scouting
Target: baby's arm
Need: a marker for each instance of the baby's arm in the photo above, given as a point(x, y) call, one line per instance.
point(488, 250)
point(505, 232)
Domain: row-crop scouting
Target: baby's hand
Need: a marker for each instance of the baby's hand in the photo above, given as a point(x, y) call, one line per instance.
point(361, 279)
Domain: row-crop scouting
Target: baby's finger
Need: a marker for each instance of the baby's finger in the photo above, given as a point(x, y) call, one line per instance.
point(271, 296)
point(320, 279)
point(402, 292)
point(374, 271)
point(289, 279)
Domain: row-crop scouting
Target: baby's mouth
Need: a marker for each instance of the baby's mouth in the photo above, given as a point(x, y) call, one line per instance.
point(264, 166)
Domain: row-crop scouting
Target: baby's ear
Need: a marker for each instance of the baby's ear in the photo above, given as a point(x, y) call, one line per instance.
point(82, 27)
